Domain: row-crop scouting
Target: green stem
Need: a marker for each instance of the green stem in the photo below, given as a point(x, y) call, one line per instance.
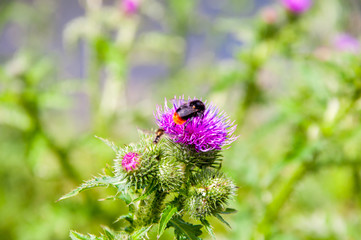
point(357, 183)
point(254, 63)
point(32, 108)
point(94, 93)
point(157, 208)
point(63, 156)
point(149, 210)
point(252, 92)
point(279, 200)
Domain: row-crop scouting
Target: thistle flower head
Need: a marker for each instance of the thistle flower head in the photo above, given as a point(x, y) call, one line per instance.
point(130, 161)
point(347, 43)
point(211, 131)
point(130, 6)
point(297, 6)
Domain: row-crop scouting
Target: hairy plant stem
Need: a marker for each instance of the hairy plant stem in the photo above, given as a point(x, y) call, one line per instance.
point(156, 207)
point(149, 210)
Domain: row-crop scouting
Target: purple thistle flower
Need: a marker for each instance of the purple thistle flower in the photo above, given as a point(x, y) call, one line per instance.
point(347, 43)
point(297, 6)
point(130, 161)
point(130, 6)
point(210, 132)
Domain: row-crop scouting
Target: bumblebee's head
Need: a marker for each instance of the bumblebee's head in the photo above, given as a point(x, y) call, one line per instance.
point(198, 105)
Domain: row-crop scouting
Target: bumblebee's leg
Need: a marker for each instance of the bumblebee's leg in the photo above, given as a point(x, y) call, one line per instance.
point(200, 115)
point(187, 122)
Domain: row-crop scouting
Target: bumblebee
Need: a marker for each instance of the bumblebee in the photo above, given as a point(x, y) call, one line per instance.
point(191, 109)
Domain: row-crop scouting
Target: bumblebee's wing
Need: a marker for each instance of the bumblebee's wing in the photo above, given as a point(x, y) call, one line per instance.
point(153, 132)
point(145, 131)
point(186, 111)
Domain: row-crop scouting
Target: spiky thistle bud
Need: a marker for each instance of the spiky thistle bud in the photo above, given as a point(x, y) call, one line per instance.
point(170, 175)
point(210, 194)
point(138, 163)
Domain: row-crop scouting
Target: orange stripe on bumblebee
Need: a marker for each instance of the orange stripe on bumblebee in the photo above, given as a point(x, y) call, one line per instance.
point(177, 119)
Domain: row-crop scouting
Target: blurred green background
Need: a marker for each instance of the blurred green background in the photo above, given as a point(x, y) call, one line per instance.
point(70, 70)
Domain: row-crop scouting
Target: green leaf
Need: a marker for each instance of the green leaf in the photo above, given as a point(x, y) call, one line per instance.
point(75, 236)
point(109, 143)
point(138, 234)
point(14, 116)
point(208, 228)
point(229, 211)
point(125, 197)
point(109, 234)
point(96, 182)
point(78, 236)
point(128, 217)
point(151, 188)
point(222, 220)
point(128, 200)
point(167, 214)
point(186, 230)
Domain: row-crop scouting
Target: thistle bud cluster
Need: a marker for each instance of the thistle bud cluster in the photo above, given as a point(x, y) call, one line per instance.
point(173, 168)
point(175, 177)
point(210, 194)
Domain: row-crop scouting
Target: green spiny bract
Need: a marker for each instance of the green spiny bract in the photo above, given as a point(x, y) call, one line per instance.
point(189, 156)
point(144, 174)
point(170, 174)
point(142, 169)
point(210, 194)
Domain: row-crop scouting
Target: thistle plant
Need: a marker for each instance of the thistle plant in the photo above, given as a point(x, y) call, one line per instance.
point(297, 6)
point(174, 183)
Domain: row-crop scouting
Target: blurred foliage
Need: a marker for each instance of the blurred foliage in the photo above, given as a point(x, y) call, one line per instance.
point(294, 94)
